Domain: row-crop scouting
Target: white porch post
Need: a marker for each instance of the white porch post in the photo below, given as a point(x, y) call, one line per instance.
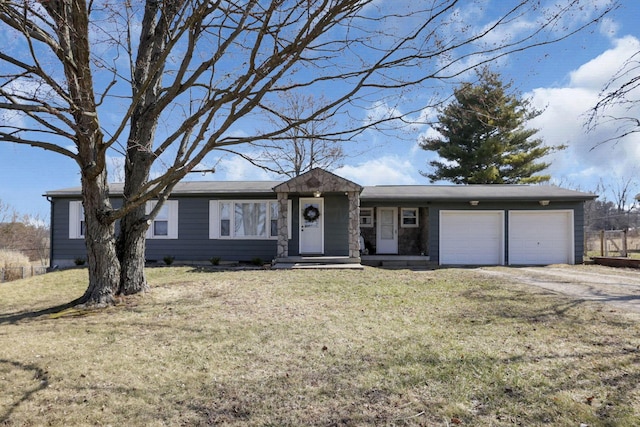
point(283, 226)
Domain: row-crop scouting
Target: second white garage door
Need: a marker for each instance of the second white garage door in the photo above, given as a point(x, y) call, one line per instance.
point(471, 238)
point(541, 237)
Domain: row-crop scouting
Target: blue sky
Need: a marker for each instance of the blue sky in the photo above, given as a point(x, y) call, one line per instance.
point(564, 79)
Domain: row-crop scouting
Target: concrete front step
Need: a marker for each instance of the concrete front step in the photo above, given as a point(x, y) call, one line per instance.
point(316, 266)
point(317, 260)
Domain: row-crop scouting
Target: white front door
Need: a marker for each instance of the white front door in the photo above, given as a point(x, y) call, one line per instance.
point(312, 226)
point(387, 231)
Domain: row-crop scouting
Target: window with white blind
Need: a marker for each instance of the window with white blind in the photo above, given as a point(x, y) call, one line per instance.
point(165, 224)
point(244, 219)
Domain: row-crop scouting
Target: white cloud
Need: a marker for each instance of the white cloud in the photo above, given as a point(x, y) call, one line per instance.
point(594, 74)
point(587, 159)
point(380, 111)
point(235, 168)
point(609, 27)
point(387, 170)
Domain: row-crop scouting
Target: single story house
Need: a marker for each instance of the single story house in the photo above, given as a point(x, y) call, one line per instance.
point(321, 214)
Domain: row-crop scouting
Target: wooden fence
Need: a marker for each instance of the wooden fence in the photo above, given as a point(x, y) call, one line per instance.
point(14, 273)
point(612, 243)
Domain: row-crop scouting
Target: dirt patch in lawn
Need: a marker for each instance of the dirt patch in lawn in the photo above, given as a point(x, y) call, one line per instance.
point(614, 286)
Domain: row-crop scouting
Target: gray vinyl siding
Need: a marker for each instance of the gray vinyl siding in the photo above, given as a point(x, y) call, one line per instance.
point(64, 250)
point(336, 225)
point(193, 242)
point(578, 222)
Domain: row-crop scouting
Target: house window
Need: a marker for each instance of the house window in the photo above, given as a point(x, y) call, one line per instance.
point(225, 219)
point(250, 219)
point(165, 224)
point(409, 217)
point(366, 217)
point(77, 226)
point(161, 223)
point(244, 219)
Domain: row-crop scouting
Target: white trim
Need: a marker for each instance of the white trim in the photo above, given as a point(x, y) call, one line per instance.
point(76, 216)
point(172, 220)
point(402, 218)
point(214, 219)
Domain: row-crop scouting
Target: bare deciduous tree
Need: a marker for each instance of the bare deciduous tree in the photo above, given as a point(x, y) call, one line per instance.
point(306, 145)
point(26, 234)
point(619, 101)
point(168, 82)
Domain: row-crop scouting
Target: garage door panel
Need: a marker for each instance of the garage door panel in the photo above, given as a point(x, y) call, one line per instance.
point(471, 237)
point(541, 237)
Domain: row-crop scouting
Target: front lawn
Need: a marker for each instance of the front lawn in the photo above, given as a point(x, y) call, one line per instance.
point(316, 347)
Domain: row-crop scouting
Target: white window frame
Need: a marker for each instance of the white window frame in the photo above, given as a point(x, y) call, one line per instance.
point(416, 216)
point(215, 219)
point(76, 220)
point(172, 220)
point(369, 216)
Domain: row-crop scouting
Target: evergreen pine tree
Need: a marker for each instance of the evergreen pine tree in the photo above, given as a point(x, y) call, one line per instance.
point(484, 139)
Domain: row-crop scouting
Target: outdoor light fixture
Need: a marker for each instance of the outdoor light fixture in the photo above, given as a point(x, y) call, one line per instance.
point(474, 202)
point(544, 202)
point(317, 193)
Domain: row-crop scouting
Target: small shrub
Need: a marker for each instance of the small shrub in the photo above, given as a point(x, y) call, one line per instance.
point(13, 263)
point(79, 261)
point(169, 259)
point(257, 261)
point(214, 260)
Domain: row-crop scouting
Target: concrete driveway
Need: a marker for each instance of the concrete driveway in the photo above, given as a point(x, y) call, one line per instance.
point(616, 287)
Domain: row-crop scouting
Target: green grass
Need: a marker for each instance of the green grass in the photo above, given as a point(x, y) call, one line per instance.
point(315, 347)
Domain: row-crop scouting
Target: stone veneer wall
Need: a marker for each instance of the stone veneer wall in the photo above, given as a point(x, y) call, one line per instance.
point(411, 241)
point(282, 250)
point(354, 224)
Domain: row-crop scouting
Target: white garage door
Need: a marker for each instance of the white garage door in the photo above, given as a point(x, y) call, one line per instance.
point(472, 238)
point(541, 237)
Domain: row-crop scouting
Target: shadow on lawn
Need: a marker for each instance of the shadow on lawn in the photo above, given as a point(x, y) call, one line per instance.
point(17, 317)
point(39, 375)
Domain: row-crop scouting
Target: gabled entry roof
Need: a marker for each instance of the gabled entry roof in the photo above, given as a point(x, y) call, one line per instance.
point(317, 180)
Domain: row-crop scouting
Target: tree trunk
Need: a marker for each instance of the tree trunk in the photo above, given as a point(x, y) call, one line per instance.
point(104, 267)
point(131, 252)
point(133, 226)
